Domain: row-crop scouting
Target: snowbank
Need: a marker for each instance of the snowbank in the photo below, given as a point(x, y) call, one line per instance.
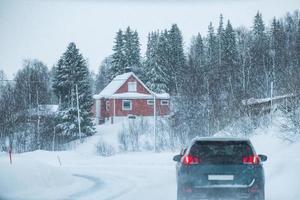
point(282, 166)
point(28, 178)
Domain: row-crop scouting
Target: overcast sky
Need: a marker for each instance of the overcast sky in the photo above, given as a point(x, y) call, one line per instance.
point(43, 29)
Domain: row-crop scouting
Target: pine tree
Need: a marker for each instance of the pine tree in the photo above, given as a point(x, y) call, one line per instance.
point(132, 51)
point(298, 43)
point(118, 57)
point(220, 38)
point(278, 54)
point(260, 68)
point(102, 78)
point(196, 54)
point(230, 57)
point(213, 83)
point(176, 59)
point(155, 74)
point(296, 74)
point(163, 61)
point(72, 72)
point(126, 53)
point(233, 75)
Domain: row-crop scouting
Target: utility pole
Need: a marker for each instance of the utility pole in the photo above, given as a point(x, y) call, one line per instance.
point(78, 113)
point(154, 120)
point(38, 120)
point(271, 100)
point(53, 140)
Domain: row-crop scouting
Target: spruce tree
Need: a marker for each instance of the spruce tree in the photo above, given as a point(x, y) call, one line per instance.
point(233, 75)
point(118, 57)
point(260, 71)
point(156, 77)
point(132, 51)
point(278, 55)
point(126, 53)
point(102, 78)
point(220, 38)
point(71, 72)
point(163, 55)
point(176, 59)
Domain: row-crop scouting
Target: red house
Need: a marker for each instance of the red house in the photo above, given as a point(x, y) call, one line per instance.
point(126, 95)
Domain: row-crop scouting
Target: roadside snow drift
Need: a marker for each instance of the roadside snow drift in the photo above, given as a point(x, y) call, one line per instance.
point(28, 178)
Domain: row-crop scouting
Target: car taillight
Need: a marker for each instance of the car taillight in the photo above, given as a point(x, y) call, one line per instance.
point(254, 159)
point(190, 160)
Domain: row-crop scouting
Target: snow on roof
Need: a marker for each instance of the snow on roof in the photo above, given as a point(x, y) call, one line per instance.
point(132, 95)
point(118, 81)
point(162, 96)
point(113, 86)
point(252, 101)
point(135, 95)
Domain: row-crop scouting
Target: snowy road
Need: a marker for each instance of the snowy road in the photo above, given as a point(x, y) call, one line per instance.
point(129, 176)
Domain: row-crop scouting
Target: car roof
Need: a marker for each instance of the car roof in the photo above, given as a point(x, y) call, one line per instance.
point(221, 139)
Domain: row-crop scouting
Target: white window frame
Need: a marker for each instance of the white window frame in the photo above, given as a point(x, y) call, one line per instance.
point(164, 102)
point(150, 102)
point(132, 86)
point(123, 101)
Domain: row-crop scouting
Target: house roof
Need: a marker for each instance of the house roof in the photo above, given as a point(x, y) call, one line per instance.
point(110, 90)
point(135, 95)
point(113, 86)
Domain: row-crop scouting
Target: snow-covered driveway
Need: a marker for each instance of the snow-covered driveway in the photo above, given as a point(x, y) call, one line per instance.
point(128, 176)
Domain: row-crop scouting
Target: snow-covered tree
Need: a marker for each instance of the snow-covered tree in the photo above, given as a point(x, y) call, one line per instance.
point(132, 50)
point(260, 68)
point(118, 57)
point(102, 78)
point(72, 76)
point(154, 70)
point(176, 59)
point(32, 85)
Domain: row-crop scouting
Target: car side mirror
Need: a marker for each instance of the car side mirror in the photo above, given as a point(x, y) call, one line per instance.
point(177, 158)
point(263, 158)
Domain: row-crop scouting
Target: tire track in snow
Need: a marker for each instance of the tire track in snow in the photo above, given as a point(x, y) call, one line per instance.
point(96, 186)
point(124, 191)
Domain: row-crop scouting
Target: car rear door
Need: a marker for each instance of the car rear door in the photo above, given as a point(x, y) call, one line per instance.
point(221, 164)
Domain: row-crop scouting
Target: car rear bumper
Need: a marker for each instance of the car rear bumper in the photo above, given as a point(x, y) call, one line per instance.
point(219, 193)
point(223, 192)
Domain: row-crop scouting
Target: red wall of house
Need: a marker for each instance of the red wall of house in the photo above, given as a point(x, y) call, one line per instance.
point(139, 108)
point(140, 88)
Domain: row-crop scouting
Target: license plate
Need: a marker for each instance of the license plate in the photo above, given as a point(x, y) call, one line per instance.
point(220, 177)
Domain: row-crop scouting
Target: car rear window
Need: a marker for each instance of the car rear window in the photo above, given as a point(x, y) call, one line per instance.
point(221, 152)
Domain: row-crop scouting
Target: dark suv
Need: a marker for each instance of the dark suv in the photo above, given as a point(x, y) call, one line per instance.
point(220, 168)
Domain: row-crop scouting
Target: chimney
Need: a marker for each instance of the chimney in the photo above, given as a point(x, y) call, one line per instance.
point(128, 69)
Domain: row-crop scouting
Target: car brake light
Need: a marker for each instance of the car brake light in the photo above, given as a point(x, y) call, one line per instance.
point(190, 160)
point(254, 159)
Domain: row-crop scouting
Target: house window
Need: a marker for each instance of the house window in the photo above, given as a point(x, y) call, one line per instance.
point(107, 105)
point(150, 102)
point(127, 105)
point(164, 102)
point(132, 86)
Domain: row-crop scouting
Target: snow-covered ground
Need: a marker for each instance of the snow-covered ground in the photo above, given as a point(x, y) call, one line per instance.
point(128, 176)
